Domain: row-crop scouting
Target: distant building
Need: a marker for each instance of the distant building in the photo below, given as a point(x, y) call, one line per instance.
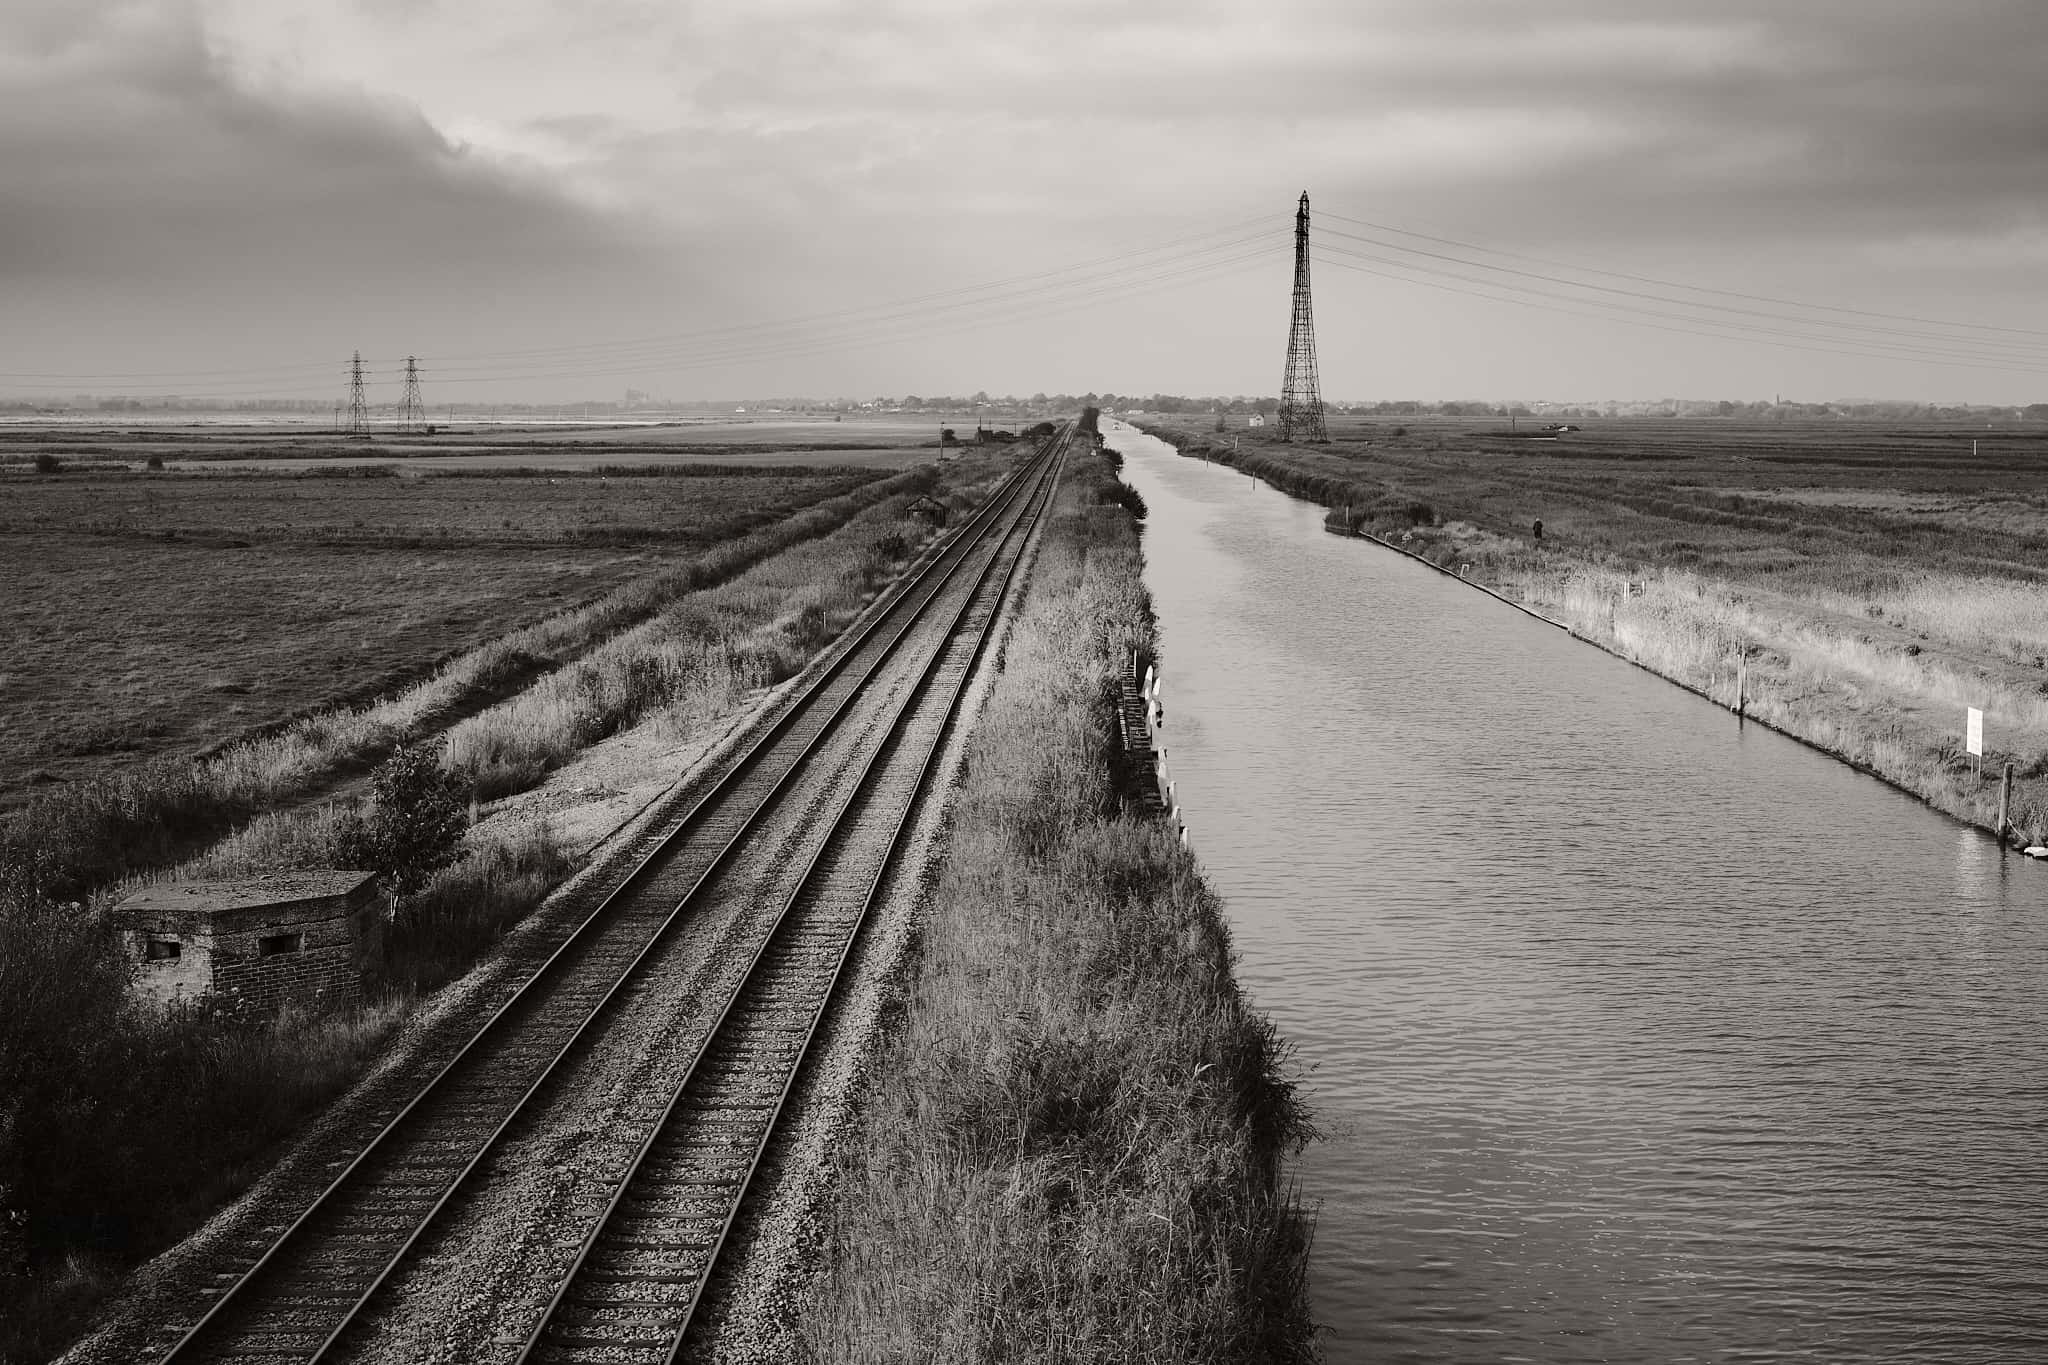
point(1256, 421)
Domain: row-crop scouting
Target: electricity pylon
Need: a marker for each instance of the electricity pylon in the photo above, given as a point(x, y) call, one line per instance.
point(358, 410)
point(412, 413)
point(1301, 397)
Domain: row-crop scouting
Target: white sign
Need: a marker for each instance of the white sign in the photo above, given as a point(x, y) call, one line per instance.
point(1974, 741)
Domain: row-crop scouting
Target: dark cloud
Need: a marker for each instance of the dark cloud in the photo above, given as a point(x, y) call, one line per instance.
point(134, 150)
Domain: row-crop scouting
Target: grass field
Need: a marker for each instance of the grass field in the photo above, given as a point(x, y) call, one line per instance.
point(162, 612)
point(1872, 579)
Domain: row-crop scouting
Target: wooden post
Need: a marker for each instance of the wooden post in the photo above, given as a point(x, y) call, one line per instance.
point(2004, 797)
point(1741, 686)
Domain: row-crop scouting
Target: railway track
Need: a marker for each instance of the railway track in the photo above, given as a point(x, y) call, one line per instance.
point(847, 745)
point(634, 1288)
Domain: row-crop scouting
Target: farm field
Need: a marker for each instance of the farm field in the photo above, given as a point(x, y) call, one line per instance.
point(890, 442)
point(164, 612)
point(1871, 579)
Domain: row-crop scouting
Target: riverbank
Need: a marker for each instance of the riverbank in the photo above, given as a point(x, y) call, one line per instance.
point(1853, 608)
point(1072, 1142)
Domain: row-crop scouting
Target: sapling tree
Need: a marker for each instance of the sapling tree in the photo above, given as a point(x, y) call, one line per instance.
point(414, 825)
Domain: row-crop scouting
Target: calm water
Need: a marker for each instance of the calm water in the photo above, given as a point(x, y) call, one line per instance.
point(1644, 1037)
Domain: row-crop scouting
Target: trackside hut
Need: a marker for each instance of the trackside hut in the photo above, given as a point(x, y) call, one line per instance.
point(287, 937)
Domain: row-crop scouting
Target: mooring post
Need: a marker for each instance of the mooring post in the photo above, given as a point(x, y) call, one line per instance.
point(2004, 798)
point(1741, 686)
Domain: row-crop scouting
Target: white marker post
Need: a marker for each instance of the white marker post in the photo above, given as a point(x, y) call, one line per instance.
point(1973, 737)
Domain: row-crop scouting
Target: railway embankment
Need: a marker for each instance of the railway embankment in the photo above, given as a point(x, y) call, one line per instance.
point(123, 1129)
point(1071, 1143)
point(1877, 668)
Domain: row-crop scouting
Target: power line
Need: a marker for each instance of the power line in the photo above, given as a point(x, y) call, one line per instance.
point(1862, 333)
point(1693, 288)
point(1725, 331)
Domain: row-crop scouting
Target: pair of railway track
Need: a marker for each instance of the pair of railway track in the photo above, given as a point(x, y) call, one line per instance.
point(820, 802)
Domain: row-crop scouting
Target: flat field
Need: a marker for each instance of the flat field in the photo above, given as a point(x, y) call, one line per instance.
point(1873, 579)
point(1843, 505)
point(162, 612)
point(888, 442)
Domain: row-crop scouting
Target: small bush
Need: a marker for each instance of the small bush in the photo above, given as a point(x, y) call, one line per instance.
point(46, 463)
point(414, 828)
point(154, 462)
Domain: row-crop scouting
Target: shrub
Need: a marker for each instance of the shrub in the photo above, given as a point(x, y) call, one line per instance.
point(415, 824)
point(153, 462)
point(46, 463)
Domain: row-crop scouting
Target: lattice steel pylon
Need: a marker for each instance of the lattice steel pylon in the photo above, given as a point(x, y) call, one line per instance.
point(358, 409)
point(1301, 396)
point(412, 413)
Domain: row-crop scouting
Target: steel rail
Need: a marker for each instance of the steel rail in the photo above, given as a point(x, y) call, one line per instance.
point(908, 606)
point(1023, 527)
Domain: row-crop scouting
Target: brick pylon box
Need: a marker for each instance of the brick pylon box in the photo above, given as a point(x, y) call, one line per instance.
point(287, 936)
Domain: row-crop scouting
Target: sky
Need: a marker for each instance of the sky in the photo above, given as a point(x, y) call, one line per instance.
point(850, 198)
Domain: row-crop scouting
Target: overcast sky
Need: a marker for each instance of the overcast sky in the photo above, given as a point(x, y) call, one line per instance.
point(552, 199)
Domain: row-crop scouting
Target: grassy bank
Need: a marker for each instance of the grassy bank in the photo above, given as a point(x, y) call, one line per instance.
point(1869, 584)
point(1072, 1147)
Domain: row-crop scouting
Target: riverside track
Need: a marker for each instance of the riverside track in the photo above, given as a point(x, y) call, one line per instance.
point(857, 742)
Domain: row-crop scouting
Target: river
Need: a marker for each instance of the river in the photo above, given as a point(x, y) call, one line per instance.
point(1642, 1036)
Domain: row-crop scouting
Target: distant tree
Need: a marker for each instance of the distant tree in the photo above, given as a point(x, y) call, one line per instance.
point(46, 463)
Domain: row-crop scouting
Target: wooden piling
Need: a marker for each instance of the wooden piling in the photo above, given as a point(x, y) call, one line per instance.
point(1741, 686)
point(2004, 803)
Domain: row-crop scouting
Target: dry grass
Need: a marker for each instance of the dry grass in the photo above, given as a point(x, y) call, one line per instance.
point(694, 660)
point(1072, 1146)
point(1874, 581)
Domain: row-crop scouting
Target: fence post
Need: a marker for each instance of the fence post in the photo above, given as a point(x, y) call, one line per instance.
point(2004, 798)
point(1741, 686)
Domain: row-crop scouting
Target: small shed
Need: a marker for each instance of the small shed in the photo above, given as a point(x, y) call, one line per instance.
point(287, 936)
point(1257, 420)
point(929, 509)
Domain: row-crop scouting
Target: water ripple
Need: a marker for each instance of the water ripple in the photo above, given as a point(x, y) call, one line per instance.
point(1644, 1037)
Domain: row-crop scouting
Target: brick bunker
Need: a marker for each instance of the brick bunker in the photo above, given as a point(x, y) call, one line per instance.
point(288, 936)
